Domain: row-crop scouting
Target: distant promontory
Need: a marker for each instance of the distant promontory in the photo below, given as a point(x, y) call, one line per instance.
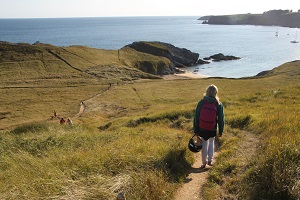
point(284, 18)
point(141, 59)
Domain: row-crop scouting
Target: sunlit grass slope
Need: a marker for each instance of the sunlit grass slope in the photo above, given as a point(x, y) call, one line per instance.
point(268, 168)
point(132, 137)
point(35, 80)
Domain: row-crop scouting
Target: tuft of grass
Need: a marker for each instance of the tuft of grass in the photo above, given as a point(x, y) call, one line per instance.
point(175, 164)
point(149, 185)
point(172, 116)
point(240, 122)
point(30, 128)
point(277, 174)
point(106, 126)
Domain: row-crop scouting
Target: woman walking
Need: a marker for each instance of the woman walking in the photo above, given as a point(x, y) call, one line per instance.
point(209, 117)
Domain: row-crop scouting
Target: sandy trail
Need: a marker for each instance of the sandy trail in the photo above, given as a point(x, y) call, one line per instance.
point(191, 189)
point(81, 110)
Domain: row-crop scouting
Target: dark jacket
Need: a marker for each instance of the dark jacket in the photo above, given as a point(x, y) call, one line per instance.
point(220, 119)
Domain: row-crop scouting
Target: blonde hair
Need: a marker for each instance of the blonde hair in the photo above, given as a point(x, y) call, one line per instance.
point(212, 91)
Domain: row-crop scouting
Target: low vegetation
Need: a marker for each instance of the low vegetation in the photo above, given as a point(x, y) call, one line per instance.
point(132, 138)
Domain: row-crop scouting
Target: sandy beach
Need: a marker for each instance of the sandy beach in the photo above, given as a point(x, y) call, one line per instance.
point(184, 75)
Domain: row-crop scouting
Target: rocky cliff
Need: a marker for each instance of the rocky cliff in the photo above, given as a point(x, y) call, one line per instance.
point(180, 57)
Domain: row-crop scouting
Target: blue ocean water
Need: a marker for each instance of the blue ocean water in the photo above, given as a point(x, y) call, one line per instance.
point(257, 46)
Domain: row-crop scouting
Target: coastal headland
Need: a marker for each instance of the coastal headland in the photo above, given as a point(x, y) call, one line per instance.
point(142, 59)
point(284, 18)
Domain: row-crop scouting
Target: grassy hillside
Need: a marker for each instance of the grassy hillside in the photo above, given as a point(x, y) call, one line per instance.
point(132, 137)
point(45, 61)
point(37, 79)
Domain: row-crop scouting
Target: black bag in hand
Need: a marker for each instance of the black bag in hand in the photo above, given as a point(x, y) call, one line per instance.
point(195, 146)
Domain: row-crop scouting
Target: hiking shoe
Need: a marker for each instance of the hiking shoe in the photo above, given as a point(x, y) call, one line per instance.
point(210, 164)
point(202, 166)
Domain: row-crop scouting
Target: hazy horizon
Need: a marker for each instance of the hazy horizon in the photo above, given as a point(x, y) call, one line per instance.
point(136, 8)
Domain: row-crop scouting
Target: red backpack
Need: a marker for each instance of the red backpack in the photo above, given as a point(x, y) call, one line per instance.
point(208, 115)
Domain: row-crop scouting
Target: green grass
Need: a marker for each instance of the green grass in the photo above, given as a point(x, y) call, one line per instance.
point(272, 172)
point(132, 137)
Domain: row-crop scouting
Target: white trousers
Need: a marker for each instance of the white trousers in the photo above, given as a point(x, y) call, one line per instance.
point(207, 150)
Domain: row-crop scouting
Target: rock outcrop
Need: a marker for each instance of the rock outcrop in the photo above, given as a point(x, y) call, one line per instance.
point(180, 57)
point(201, 62)
point(221, 57)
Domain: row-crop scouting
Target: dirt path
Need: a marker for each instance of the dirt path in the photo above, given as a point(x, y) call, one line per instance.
point(191, 189)
point(81, 110)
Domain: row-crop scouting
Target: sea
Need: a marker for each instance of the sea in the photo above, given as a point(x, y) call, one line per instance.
point(258, 46)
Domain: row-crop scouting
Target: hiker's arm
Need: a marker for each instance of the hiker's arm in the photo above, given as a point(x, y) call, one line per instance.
point(221, 119)
point(196, 119)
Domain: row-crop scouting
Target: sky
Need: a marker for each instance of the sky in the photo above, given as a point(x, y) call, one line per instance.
point(114, 8)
